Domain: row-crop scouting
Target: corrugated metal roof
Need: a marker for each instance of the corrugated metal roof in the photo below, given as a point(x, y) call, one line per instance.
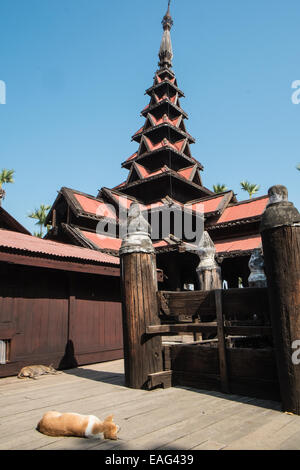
point(33, 245)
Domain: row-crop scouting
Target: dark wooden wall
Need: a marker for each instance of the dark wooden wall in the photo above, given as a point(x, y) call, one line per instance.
point(53, 316)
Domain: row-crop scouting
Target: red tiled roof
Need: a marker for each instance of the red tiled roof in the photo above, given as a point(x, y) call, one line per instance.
point(26, 244)
point(164, 119)
point(103, 241)
point(244, 210)
point(94, 207)
point(109, 243)
point(238, 244)
point(132, 157)
point(165, 142)
point(208, 205)
point(146, 174)
point(186, 172)
point(159, 80)
point(164, 97)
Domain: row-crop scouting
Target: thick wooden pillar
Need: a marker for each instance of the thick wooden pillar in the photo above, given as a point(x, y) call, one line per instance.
point(280, 231)
point(142, 353)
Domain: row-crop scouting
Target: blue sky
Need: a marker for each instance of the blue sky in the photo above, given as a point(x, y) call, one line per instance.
point(76, 72)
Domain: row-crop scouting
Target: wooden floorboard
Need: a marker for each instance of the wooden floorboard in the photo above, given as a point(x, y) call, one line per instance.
point(179, 418)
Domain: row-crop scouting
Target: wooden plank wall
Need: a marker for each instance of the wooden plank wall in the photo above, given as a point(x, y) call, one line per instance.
point(57, 317)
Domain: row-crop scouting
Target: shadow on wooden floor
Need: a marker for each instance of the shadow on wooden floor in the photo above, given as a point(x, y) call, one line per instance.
point(114, 378)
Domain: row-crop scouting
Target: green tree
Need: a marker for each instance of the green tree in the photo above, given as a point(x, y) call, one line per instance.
point(6, 176)
point(40, 215)
point(219, 188)
point(249, 187)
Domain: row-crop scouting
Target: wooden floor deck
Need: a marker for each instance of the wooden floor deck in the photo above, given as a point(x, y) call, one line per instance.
point(178, 418)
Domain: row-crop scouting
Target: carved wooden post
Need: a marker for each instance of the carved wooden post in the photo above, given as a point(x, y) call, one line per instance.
point(280, 231)
point(142, 353)
point(208, 270)
point(257, 276)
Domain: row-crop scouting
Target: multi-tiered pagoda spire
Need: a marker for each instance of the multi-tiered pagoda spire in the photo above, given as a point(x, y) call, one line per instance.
point(163, 164)
point(163, 177)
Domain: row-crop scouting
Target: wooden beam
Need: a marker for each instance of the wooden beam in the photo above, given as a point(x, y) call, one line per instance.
point(181, 328)
point(163, 378)
point(57, 264)
point(248, 330)
point(221, 343)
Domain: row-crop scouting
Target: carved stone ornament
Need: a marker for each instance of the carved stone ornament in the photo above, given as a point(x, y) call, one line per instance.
point(279, 211)
point(277, 193)
point(137, 239)
point(257, 276)
point(206, 252)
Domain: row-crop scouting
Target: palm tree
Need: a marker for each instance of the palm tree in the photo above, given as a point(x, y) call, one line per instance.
point(40, 215)
point(6, 176)
point(249, 187)
point(219, 188)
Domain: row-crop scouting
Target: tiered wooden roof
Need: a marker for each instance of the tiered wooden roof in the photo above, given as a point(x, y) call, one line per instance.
point(162, 173)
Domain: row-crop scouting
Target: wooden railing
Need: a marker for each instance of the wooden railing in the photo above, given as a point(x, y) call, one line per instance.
point(220, 313)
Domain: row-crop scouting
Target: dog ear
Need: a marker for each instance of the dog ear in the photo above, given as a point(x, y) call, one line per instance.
point(109, 418)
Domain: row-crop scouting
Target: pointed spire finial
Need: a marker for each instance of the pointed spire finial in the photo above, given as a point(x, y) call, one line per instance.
point(167, 21)
point(166, 52)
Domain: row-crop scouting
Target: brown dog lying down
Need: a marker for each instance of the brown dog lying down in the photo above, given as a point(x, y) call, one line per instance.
point(54, 423)
point(33, 372)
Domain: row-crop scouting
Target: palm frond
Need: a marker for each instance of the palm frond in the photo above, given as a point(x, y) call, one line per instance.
point(6, 176)
point(250, 188)
point(219, 188)
point(40, 216)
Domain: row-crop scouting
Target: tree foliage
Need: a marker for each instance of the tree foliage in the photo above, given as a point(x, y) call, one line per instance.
point(40, 215)
point(250, 188)
point(219, 188)
point(6, 176)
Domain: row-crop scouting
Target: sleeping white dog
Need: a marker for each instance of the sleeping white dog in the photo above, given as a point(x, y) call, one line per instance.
point(54, 423)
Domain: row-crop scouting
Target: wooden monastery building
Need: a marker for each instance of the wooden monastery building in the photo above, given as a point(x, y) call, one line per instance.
point(163, 176)
point(51, 307)
point(60, 296)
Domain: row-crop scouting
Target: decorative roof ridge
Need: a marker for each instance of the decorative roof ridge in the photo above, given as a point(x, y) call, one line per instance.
point(250, 200)
point(167, 171)
point(69, 195)
point(10, 220)
point(159, 124)
point(206, 198)
point(140, 157)
point(149, 108)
